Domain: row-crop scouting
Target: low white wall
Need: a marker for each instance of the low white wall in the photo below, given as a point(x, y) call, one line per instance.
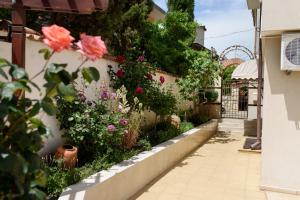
point(124, 180)
point(35, 61)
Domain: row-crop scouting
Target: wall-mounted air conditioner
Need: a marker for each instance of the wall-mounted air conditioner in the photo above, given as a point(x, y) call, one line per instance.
point(290, 52)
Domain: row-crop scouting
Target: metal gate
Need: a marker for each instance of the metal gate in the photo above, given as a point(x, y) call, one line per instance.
point(234, 99)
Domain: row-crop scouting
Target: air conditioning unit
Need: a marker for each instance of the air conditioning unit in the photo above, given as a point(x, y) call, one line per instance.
point(290, 52)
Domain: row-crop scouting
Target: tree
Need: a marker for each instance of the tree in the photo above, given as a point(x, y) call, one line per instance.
point(169, 40)
point(203, 72)
point(182, 6)
point(122, 26)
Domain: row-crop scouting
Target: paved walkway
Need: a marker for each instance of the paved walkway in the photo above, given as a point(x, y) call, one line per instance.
point(216, 171)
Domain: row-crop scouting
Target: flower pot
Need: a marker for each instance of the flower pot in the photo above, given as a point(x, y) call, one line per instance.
point(130, 138)
point(68, 153)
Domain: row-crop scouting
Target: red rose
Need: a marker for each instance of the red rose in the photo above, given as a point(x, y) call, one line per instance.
point(120, 73)
point(162, 79)
point(139, 90)
point(120, 59)
point(149, 76)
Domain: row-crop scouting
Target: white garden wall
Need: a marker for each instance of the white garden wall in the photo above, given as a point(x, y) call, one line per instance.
point(35, 61)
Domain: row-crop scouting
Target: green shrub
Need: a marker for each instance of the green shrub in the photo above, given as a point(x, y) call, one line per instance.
point(186, 126)
point(164, 131)
point(198, 119)
point(210, 96)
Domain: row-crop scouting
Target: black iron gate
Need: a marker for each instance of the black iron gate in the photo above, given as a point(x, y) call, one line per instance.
point(234, 99)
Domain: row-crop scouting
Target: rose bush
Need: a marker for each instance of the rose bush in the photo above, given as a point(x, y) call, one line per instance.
point(21, 129)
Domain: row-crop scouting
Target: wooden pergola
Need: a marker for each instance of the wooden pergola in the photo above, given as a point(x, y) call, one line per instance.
point(19, 8)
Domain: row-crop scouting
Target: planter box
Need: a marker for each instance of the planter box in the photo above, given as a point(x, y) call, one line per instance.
point(124, 180)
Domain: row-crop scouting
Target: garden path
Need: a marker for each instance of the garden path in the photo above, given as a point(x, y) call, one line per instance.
point(216, 171)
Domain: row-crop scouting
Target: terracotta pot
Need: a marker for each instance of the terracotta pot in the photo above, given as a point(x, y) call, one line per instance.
point(68, 153)
point(130, 138)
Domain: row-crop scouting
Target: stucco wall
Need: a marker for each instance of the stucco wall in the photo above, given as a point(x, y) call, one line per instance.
point(34, 63)
point(281, 118)
point(279, 15)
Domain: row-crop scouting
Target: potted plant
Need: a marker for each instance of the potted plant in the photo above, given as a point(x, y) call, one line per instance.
point(68, 153)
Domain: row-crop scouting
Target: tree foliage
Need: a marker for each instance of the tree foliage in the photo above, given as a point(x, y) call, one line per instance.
point(122, 26)
point(169, 40)
point(203, 72)
point(186, 6)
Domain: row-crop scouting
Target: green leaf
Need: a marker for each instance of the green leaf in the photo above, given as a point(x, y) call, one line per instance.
point(10, 88)
point(2, 73)
point(36, 122)
point(46, 53)
point(66, 91)
point(37, 194)
point(3, 61)
point(3, 110)
point(48, 106)
point(35, 109)
point(19, 73)
point(40, 178)
point(90, 74)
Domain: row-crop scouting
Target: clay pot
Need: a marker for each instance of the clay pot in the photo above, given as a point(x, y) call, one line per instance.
point(68, 153)
point(130, 139)
point(175, 121)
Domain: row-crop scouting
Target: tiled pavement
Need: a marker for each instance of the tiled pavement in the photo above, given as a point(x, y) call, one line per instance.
point(216, 171)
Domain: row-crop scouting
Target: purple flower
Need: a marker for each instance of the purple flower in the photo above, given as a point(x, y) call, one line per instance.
point(104, 95)
point(123, 122)
point(111, 128)
point(141, 58)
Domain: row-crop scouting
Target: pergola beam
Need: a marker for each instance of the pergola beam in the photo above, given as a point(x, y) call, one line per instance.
point(77, 6)
point(19, 8)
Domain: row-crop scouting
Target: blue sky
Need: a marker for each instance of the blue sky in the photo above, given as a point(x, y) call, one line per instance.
point(220, 18)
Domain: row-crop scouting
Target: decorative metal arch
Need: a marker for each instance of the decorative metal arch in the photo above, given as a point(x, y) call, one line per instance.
point(236, 48)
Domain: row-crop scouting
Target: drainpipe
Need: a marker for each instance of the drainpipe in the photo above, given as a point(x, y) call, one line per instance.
point(257, 145)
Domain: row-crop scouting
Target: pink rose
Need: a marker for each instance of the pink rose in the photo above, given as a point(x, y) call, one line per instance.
point(57, 38)
point(111, 128)
point(139, 90)
point(91, 46)
point(162, 79)
point(123, 122)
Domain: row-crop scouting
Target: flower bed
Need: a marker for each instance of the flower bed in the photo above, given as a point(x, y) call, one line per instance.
point(113, 184)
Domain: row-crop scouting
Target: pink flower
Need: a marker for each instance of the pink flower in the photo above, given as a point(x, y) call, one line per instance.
point(149, 76)
point(120, 108)
point(141, 58)
point(120, 59)
point(104, 95)
point(111, 128)
point(91, 46)
point(57, 38)
point(139, 90)
point(123, 122)
point(162, 79)
point(120, 73)
point(113, 96)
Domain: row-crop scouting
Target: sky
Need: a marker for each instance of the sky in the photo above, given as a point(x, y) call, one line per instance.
point(223, 17)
